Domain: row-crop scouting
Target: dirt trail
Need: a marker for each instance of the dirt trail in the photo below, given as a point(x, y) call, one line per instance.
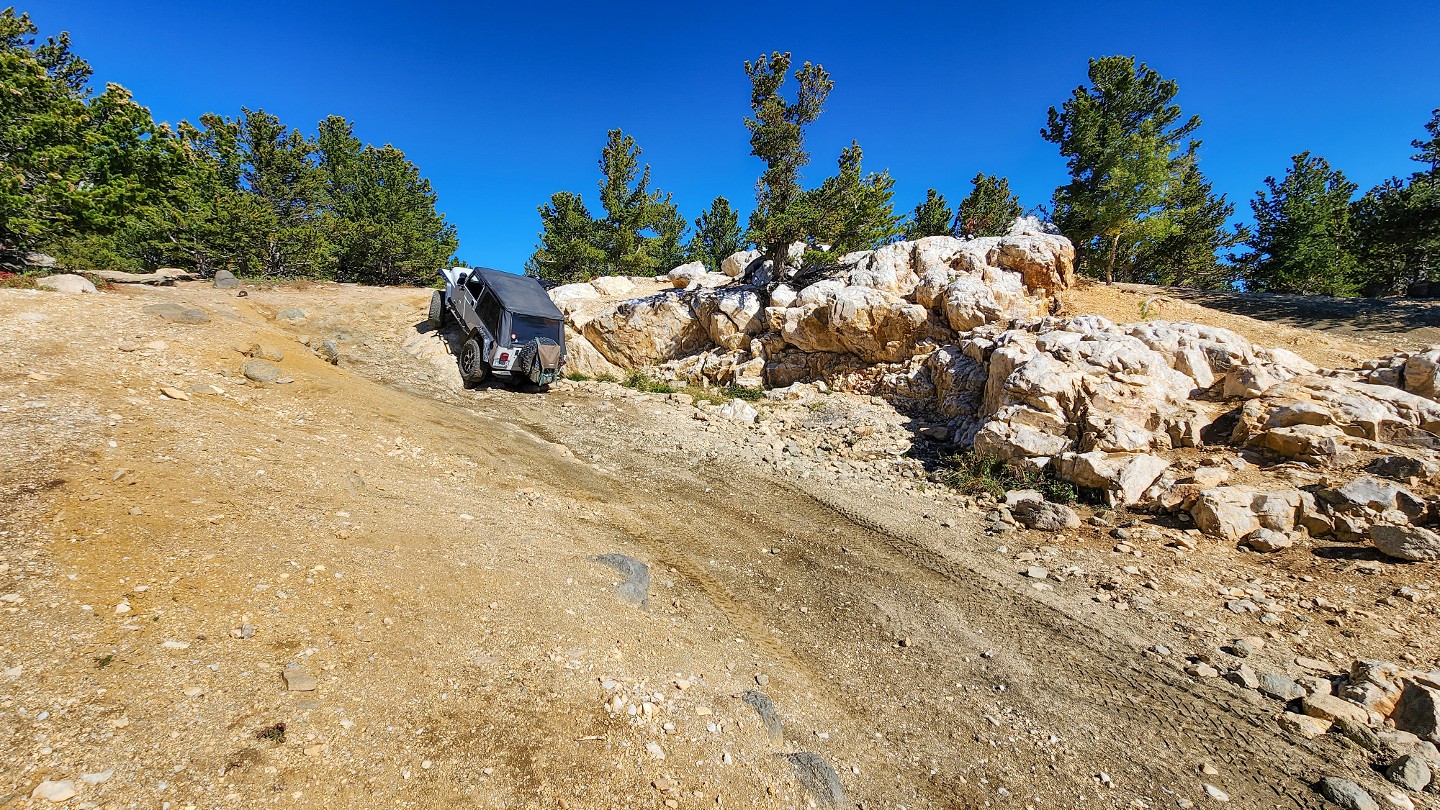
point(426, 554)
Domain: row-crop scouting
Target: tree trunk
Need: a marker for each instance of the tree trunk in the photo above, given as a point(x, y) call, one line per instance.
point(1110, 262)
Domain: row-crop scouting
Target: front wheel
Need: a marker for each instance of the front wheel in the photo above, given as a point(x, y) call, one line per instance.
point(436, 316)
point(473, 369)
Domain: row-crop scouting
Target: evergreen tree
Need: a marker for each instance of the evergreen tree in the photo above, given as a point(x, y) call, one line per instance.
point(1397, 224)
point(717, 235)
point(382, 220)
point(43, 119)
point(930, 218)
point(777, 136)
point(988, 210)
point(851, 211)
point(569, 249)
point(668, 246)
point(1180, 243)
point(1124, 142)
point(1302, 233)
point(630, 206)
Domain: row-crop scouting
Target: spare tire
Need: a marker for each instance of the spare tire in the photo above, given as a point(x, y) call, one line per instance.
point(527, 362)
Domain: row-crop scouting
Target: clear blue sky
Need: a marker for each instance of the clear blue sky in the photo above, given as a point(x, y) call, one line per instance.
point(502, 105)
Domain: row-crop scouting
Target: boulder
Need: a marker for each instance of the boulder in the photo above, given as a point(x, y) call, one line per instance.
point(1046, 262)
point(875, 326)
point(1405, 541)
point(225, 280)
point(1267, 541)
point(1123, 477)
point(66, 283)
point(611, 286)
point(1374, 685)
point(581, 357)
point(737, 265)
point(1421, 373)
point(1329, 707)
point(1045, 516)
point(739, 410)
point(1418, 708)
point(569, 298)
point(1226, 513)
point(643, 331)
point(687, 276)
point(1346, 794)
point(731, 317)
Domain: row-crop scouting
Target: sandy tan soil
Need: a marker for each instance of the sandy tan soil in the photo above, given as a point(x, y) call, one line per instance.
point(426, 554)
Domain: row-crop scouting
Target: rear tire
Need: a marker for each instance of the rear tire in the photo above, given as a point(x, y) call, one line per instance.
point(473, 368)
point(436, 316)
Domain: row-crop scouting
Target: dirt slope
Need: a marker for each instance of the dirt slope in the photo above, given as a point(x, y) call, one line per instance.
point(426, 554)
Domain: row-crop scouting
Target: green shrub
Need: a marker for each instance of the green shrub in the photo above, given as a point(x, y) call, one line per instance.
point(641, 381)
point(973, 473)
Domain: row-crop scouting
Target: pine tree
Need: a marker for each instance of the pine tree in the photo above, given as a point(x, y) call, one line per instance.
point(630, 206)
point(988, 210)
point(930, 218)
point(569, 249)
point(43, 119)
point(1302, 233)
point(1179, 244)
point(667, 249)
point(852, 210)
point(382, 219)
point(777, 136)
point(1397, 224)
point(1124, 142)
point(717, 235)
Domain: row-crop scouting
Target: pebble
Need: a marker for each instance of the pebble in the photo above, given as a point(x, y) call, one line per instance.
point(97, 778)
point(299, 681)
point(1037, 572)
point(62, 791)
point(654, 750)
point(762, 679)
point(1216, 793)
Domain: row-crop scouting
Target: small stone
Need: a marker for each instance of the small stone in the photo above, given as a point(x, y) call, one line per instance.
point(1216, 793)
point(762, 679)
point(261, 371)
point(57, 792)
point(97, 778)
point(176, 645)
point(317, 750)
point(1312, 664)
point(299, 681)
point(1329, 707)
point(1409, 772)
point(654, 750)
point(1304, 725)
point(1244, 676)
point(1345, 793)
point(1200, 669)
point(1279, 687)
point(194, 692)
point(174, 393)
point(1037, 572)
point(244, 631)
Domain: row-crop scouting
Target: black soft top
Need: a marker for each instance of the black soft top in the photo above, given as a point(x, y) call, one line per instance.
point(521, 295)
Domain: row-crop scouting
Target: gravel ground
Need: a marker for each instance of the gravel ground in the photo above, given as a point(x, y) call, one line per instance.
point(367, 586)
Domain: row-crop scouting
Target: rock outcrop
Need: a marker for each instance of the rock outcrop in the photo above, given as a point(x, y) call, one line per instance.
point(963, 331)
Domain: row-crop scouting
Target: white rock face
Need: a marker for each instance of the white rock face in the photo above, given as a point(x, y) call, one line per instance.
point(644, 331)
point(611, 286)
point(581, 357)
point(66, 283)
point(569, 298)
point(730, 316)
point(871, 324)
point(736, 265)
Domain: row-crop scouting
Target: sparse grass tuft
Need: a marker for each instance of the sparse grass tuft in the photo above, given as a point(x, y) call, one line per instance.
point(973, 473)
point(641, 381)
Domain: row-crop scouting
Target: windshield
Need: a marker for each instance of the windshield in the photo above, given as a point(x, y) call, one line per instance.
point(523, 328)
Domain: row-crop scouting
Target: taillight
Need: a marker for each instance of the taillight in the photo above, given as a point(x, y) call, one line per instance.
point(504, 357)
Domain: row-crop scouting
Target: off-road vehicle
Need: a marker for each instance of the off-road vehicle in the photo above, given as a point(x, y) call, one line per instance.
point(508, 326)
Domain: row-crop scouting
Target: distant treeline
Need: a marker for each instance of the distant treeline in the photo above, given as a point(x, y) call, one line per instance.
point(1137, 206)
point(93, 180)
